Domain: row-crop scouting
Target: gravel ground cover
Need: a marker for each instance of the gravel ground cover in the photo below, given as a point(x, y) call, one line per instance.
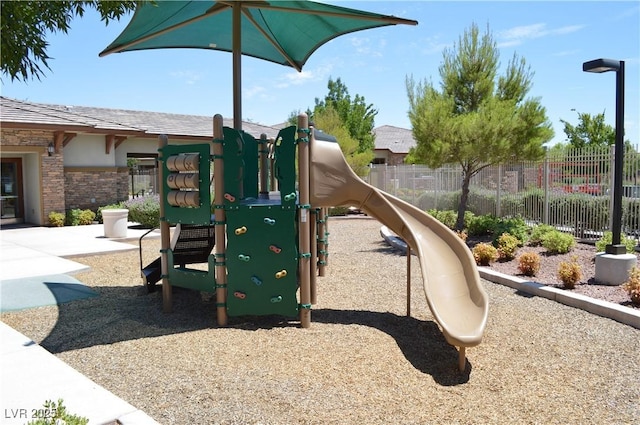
point(362, 360)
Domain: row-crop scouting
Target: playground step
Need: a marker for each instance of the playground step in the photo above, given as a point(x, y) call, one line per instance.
point(151, 274)
point(194, 244)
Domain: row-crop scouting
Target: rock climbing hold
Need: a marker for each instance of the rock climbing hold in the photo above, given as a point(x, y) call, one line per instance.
point(281, 274)
point(275, 249)
point(241, 230)
point(240, 295)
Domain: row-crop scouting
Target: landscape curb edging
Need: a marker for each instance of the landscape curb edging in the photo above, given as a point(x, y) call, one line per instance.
point(601, 308)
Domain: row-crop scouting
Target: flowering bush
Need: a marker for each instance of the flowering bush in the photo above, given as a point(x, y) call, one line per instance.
point(484, 254)
point(570, 273)
point(529, 263)
point(507, 245)
point(144, 210)
point(56, 219)
point(632, 286)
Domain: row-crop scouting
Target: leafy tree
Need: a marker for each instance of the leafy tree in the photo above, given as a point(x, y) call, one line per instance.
point(24, 25)
point(356, 116)
point(590, 131)
point(329, 121)
point(478, 118)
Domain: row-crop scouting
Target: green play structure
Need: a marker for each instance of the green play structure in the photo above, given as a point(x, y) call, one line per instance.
point(249, 233)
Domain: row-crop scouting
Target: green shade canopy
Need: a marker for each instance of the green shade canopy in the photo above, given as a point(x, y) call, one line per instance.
point(284, 32)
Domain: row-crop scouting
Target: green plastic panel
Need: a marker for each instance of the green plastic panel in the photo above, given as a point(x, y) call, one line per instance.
point(188, 215)
point(261, 244)
point(250, 166)
point(285, 164)
point(200, 280)
point(233, 152)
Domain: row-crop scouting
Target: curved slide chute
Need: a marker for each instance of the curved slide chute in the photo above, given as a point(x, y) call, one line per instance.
point(452, 285)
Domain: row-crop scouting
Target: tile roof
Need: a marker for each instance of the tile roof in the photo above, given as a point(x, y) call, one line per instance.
point(115, 120)
point(394, 139)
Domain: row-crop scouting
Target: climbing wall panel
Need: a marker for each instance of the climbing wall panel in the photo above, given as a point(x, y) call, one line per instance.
point(262, 261)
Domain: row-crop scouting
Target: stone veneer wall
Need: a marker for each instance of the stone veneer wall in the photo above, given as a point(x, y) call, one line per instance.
point(91, 188)
point(52, 166)
point(67, 188)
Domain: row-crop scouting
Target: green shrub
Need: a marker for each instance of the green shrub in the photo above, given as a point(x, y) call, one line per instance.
point(56, 219)
point(482, 225)
point(556, 242)
point(570, 273)
point(86, 217)
point(337, 211)
point(484, 254)
point(507, 246)
point(438, 200)
point(447, 217)
point(538, 232)
point(514, 226)
point(73, 217)
point(56, 414)
point(144, 210)
point(529, 263)
point(607, 239)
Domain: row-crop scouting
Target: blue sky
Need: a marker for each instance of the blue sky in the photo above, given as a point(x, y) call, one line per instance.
point(555, 38)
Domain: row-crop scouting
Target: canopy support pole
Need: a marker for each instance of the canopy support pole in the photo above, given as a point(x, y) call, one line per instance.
point(237, 66)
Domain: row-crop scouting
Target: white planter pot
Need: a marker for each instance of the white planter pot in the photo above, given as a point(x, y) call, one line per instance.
point(115, 223)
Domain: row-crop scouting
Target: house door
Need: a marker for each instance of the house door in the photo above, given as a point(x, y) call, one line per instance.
point(11, 199)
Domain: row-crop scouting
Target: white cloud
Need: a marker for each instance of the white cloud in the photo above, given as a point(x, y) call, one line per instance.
point(252, 91)
point(187, 77)
point(294, 78)
point(364, 46)
point(518, 35)
point(432, 45)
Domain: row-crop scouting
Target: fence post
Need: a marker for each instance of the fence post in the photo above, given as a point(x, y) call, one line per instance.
point(612, 167)
point(499, 192)
point(413, 184)
point(545, 182)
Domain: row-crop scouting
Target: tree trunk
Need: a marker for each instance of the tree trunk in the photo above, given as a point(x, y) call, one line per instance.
point(462, 206)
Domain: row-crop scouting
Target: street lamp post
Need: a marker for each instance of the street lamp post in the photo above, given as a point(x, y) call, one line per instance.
point(599, 66)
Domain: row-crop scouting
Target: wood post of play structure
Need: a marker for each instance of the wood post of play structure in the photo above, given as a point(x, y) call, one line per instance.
point(220, 219)
point(304, 140)
point(272, 163)
point(263, 151)
point(322, 241)
point(313, 231)
point(165, 237)
point(408, 281)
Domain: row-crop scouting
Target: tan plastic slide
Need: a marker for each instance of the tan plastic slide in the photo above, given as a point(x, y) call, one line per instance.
point(452, 285)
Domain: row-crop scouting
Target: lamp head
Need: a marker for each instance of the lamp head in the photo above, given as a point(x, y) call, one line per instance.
point(601, 65)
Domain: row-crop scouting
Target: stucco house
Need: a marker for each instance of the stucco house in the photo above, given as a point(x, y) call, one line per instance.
point(56, 157)
point(392, 144)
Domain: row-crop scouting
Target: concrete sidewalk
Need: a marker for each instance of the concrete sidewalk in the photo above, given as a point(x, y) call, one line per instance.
point(29, 374)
